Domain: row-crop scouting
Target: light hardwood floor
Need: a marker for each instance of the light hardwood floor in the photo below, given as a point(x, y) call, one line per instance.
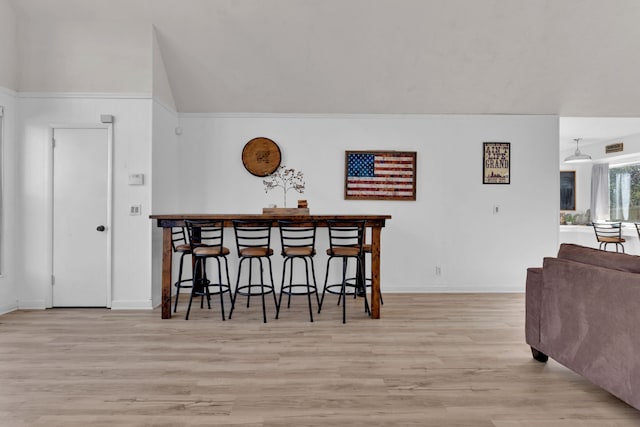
point(431, 360)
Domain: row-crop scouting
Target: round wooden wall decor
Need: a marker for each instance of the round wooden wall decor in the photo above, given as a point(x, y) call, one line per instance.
point(261, 156)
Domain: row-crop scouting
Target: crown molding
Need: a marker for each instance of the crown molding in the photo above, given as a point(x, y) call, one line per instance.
point(166, 106)
point(392, 116)
point(85, 95)
point(7, 91)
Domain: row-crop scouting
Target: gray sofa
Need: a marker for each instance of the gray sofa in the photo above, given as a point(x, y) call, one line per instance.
point(583, 310)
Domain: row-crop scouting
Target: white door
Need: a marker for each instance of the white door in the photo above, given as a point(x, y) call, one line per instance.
point(80, 215)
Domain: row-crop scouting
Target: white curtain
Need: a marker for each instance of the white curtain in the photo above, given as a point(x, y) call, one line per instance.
point(622, 196)
point(600, 192)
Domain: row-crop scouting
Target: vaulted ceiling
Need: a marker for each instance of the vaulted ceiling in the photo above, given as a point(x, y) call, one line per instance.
point(569, 57)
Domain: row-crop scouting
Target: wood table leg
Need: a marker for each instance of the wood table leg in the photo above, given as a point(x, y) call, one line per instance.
point(166, 272)
point(375, 272)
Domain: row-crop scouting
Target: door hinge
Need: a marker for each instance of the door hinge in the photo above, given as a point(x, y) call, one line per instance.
point(53, 280)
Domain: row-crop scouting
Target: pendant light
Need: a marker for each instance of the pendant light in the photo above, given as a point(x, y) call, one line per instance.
point(578, 157)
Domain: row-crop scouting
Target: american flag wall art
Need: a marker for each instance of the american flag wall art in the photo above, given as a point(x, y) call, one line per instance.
point(380, 175)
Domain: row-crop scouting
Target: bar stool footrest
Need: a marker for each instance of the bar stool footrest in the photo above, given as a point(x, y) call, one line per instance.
point(336, 289)
point(290, 289)
point(179, 283)
point(221, 289)
point(351, 281)
point(254, 290)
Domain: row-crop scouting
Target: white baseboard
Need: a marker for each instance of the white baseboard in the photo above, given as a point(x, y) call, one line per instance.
point(131, 305)
point(4, 309)
point(34, 304)
point(458, 288)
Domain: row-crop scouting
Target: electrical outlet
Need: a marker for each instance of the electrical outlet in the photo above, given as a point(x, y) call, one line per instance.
point(135, 210)
point(438, 270)
point(496, 209)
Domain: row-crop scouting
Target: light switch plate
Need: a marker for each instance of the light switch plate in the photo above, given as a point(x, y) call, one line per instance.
point(136, 179)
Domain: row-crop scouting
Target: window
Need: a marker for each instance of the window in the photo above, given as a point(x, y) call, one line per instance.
point(624, 192)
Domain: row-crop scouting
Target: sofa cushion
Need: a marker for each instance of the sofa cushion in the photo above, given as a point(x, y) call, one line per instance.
point(613, 260)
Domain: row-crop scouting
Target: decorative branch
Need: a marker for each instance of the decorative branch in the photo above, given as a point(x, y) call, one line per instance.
point(287, 179)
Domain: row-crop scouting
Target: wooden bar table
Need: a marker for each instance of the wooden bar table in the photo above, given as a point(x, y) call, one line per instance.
point(166, 222)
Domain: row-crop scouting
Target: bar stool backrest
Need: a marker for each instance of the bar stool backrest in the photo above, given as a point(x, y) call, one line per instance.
point(346, 234)
point(297, 234)
point(178, 239)
point(606, 231)
point(252, 234)
point(208, 233)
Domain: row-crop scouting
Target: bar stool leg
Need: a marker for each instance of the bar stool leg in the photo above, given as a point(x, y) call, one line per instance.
point(220, 288)
point(178, 284)
point(235, 293)
point(344, 290)
point(264, 308)
point(306, 269)
point(324, 288)
point(284, 274)
point(361, 265)
point(315, 282)
point(194, 278)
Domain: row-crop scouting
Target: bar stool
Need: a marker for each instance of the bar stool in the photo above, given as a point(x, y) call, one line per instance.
point(609, 233)
point(206, 240)
point(253, 242)
point(180, 245)
point(298, 240)
point(346, 239)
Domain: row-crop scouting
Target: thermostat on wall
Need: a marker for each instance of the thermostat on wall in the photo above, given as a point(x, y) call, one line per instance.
point(136, 179)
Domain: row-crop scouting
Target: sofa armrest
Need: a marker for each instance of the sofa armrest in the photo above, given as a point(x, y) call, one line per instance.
point(589, 323)
point(533, 301)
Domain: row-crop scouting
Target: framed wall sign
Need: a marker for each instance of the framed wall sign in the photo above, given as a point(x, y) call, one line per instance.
point(496, 163)
point(380, 175)
point(567, 190)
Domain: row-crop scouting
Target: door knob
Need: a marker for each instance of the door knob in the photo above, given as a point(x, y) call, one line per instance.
point(101, 228)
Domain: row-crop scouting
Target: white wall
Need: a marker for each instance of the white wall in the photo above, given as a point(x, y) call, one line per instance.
point(131, 234)
point(451, 224)
point(583, 184)
point(84, 55)
point(8, 276)
point(165, 173)
point(165, 181)
point(8, 46)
